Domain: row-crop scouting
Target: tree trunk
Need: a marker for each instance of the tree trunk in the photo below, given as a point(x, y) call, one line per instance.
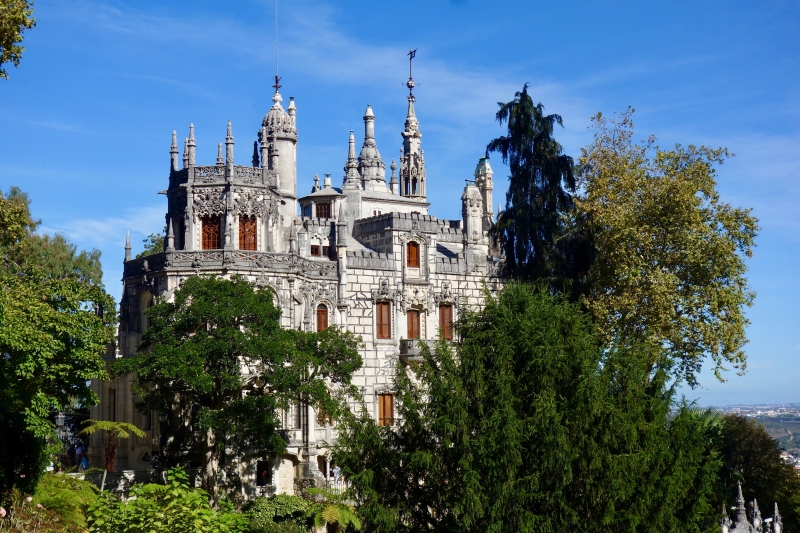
point(211, 456)
point(103, 483)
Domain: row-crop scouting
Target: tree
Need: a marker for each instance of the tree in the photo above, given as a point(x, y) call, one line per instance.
point(219, 346)
point(536, 236)
point(114, 431)
point(16, 16)
point(672, 269)
point(153, 244)
point(527, 424)
point(750, 456)
point(56, 321)
point(333, 511)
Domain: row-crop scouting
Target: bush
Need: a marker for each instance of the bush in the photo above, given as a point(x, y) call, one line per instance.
point(172, 508)
point(278, 511)
point(66, 495)
point(24, 515)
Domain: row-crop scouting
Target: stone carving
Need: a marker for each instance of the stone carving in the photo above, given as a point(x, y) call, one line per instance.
point(209, 202)
point(209, 174)
point(247, 174)
point(316, 292)
point(384, 293)
point(446, 296)
point(416, 296)
point(248, 203)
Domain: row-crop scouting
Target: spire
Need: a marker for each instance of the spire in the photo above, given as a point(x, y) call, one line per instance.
point(173, 152)
point(220, 161)
point(351, 177)
point(370, 163)
point(264, 147)
point(170, 237)
point(192, 145)
point(393, 184)
point(128, 247)
point(255, 154)
point(229, 145)
point(316, 186)
point(741, 511)
point(185, 153)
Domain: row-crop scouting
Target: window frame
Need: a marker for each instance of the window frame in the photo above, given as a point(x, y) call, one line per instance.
point(248, 231)
point(326, 210)
point(315, 250)
point(383, 329)
point(414, 325)
point(322, 310)
point(207, 224)
point(413, 254)
point(385, 399)
point(445, 326)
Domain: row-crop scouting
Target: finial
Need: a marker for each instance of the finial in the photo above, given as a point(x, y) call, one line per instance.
point(255, 154)
point(410, 83)
point(315, 188)
point(220, 161)
point(191, 145)
point(185, 153)
point(191, 132)
point(229, 145)
point(173, 152)
point(170, 237)
point(128, 246)
point(327, 183)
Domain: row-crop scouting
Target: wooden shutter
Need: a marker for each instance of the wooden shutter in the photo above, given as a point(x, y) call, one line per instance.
point(323, 210)
point(412, 255)
point(446, 321)
point(413, 324)
point(211, 233)
point(384, 320)
point(322, 318)
point(385, 409)
point(247, 233)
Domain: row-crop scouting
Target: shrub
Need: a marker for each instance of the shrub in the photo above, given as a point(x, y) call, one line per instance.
point(66, 495)
point(24, 515)
point(265, 514)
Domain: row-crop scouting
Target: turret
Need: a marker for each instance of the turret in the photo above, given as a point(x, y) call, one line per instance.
point(282, 135)
point(483, 179)
point(229, 145)
point(352, 179)
point(220, 161)
point(370, 163)
point(394, 185)
point(185, 153)
point(128, 247)
point(191, 146)
point(412, 162)
point(472, 214)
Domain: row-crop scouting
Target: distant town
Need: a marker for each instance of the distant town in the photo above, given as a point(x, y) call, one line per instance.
point(782, 422)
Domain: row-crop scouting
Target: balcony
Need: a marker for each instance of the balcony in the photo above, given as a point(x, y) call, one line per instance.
point(411, 349)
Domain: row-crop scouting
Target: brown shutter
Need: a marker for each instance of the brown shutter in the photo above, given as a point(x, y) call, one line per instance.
point(412, 255)
point(211, 233)
point(384, 320)
point(247, 233)
point(446, 321)
point(322, 318)
point(385, 409)
point(413, 324)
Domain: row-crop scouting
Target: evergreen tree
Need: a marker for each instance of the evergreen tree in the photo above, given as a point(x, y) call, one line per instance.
point(536, 234)
point(528, 424)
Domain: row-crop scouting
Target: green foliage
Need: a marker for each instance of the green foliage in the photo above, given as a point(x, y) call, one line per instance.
point(751, 456)
point(172, 508)
point(279, 527)
point(153, 244)
point(672, 268)
point(25, 515)
point(56, 321)
point(194, 350)
point(67, 496)
point(533, 230)
point(264, 513)
point(16, 16)
point(529, 424)
point(332, 508)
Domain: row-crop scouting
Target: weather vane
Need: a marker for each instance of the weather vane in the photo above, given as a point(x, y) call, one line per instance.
point(410, 83)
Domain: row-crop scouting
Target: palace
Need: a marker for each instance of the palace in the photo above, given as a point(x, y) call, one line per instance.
point(366, 256)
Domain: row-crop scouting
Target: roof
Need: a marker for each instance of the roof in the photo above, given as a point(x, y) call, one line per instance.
point(326, 192)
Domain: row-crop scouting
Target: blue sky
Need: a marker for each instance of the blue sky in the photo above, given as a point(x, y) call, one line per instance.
point(85, 122)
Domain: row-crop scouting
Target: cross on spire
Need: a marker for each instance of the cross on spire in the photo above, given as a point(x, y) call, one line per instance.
point(277, 85)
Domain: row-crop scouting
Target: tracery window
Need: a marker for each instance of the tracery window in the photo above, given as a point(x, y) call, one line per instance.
point(385, 409)
point(383, 320)
point(247, 232)
point(180, 242)
point(211, 232)
point(412, 255)
point(323, 210)
point(322, 318)
point(413, 324)
point(446, 321)
point(315, 249)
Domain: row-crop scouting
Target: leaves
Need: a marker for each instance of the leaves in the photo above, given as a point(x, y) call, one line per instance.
point(16, 16)
point(670, 266)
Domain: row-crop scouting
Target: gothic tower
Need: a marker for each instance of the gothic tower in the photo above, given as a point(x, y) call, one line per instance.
point(278, 137)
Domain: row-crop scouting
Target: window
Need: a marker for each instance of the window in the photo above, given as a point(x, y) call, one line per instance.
point(412, 255)
point(307, 211)
point(323, 418)
point(385, 409)
point(325, 251)
point(413, 324)
point(446, 321)
point(264, 474)
point(315, 249)
point(322, 318)
point(323, 210)
point(211, 233)
point(180, 242)
point(383, 320)
point(247, 232)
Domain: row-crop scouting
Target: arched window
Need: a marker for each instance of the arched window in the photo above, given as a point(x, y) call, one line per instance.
point(211, 233)
point(247, 232)
point(412, 255)
point(413, 324)
point(323, 210)
point(322, 318)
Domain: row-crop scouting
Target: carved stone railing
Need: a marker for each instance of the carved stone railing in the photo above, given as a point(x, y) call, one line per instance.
point(240, 174)
point(411, 349)
point(231, 260)
point(209, 174)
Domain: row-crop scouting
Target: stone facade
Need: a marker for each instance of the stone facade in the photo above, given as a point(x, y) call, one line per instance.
point(350, 251)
